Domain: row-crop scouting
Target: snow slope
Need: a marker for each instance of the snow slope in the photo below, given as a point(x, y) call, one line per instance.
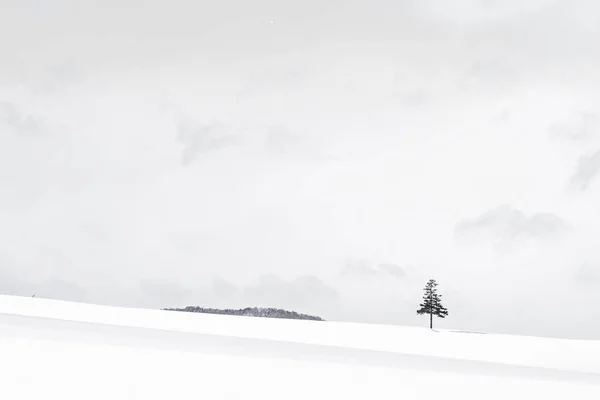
point(54, 349)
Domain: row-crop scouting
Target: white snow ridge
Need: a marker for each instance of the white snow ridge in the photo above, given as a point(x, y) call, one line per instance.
point(59, 350)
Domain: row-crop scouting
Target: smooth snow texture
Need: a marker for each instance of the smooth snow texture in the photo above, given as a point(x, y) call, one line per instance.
point(54, 349)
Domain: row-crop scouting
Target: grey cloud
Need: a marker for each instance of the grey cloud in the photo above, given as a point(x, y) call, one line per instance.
point(588, 274)
point(358, 268)
point(60, 78)
point(21, 122)
point(412, 98)
point(54, 288)
point(494, 72)
point(584, 125)
point(314, 286)
point(393, 270)
point(305, 293)
point(301, 292)
point(162, 293)
point(199, 139)
point(586, 171)
point(507, 223)
point(281, 141)
point(362, 269)
point(223, 289)
point(62, 290)
point(12, 284)
point(491, 12)
point(272, 82)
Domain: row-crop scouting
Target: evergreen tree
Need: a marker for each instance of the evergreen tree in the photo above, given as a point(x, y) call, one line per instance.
point(432, 303)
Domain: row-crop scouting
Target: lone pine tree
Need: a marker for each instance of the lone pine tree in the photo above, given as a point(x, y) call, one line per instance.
point(432, 303)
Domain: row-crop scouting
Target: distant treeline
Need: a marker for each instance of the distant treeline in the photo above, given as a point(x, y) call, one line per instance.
point(250, 312)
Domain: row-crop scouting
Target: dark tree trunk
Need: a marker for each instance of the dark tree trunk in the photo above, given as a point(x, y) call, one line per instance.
point(430, 320)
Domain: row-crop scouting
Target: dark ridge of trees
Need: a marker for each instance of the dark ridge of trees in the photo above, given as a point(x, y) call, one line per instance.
point(250, 312)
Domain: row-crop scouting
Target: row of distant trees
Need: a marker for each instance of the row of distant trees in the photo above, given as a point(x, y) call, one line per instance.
point(250, 312)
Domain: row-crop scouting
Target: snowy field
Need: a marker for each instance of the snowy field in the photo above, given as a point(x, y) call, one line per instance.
point(59, 350)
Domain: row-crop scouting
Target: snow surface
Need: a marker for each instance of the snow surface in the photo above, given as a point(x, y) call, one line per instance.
point(53, 349)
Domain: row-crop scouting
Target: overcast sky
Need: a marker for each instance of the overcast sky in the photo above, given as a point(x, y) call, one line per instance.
point(322, 156)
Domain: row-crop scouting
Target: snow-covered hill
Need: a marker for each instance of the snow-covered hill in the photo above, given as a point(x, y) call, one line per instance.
point(53, 349)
